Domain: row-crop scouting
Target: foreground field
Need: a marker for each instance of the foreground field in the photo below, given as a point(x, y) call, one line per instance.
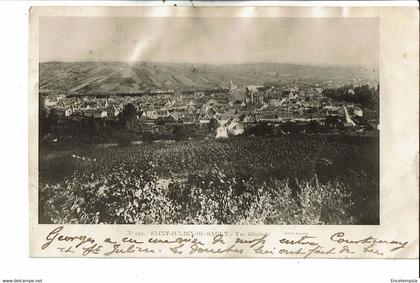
point(307, 179)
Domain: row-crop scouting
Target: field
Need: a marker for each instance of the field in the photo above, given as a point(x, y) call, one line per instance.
point(303, 179)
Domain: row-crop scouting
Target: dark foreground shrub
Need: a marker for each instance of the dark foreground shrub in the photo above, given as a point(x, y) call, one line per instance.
point(139, 196)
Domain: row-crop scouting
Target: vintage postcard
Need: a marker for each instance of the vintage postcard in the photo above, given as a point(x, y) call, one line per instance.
point(195, 131)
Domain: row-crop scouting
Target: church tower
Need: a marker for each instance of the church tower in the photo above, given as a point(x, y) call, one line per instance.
point(231, 86)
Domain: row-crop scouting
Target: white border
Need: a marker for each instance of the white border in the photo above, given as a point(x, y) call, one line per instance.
point(15, 263)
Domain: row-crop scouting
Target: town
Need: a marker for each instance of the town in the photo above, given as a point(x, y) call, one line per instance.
point(218, 113)
point(194, 124)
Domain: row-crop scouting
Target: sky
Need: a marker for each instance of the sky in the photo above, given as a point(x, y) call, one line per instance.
point(332, 41)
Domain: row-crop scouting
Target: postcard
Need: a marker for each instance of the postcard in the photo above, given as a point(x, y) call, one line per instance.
point(195, 131)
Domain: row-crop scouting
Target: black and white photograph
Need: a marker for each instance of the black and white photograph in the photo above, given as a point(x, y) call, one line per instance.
point(210, 141)
point(206, 120)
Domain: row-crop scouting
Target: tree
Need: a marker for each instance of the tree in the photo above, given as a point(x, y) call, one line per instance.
point(44, 122)
point(179, 133)
point(364, 95)
point(314, 127)
point(333, 122)
point(128, 116)
point(213, 124)
point(261, 129)
point(290, 127)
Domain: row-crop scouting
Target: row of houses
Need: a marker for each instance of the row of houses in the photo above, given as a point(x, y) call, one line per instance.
point(188, 109)
point(110, 111)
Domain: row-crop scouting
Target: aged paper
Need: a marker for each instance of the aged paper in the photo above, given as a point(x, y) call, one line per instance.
point(287, 132)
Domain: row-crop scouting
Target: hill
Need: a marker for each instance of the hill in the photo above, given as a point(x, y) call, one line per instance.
point(120, 77)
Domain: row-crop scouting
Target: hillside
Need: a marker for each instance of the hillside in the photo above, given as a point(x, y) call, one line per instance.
point(119, 77)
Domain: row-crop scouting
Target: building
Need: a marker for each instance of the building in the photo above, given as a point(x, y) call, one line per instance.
point(204, 121)
point(175, 116)
point(235, 129)
point(95, 113)
point(161, 91)
point(285, 116)
point(88, 112)
point(252, 91)
point(266, 116)
point(293, 95)
point(276, 102)
point(100, 114)
point(51, 101)
point(249, 119)
point(222, 121)
point(150, 114)
point(169, 104)
point(333, 110)
point(113, 111)
point(358, 111)
point(232, 86)
point(62, 111)
point(237, 94)
point(221, 132)
point(189, 118)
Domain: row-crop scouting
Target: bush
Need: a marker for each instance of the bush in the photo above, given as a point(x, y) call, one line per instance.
point(260, 129)
point(148, 136)
point(124, 140)
point(306, 179)
point(138, 196)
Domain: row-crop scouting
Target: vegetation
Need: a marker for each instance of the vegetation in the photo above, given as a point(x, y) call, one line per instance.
point(128, 117)
point(363, 95)
point(304, 179)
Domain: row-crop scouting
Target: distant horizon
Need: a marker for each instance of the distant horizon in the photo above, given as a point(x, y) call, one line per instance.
point(212, 64)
